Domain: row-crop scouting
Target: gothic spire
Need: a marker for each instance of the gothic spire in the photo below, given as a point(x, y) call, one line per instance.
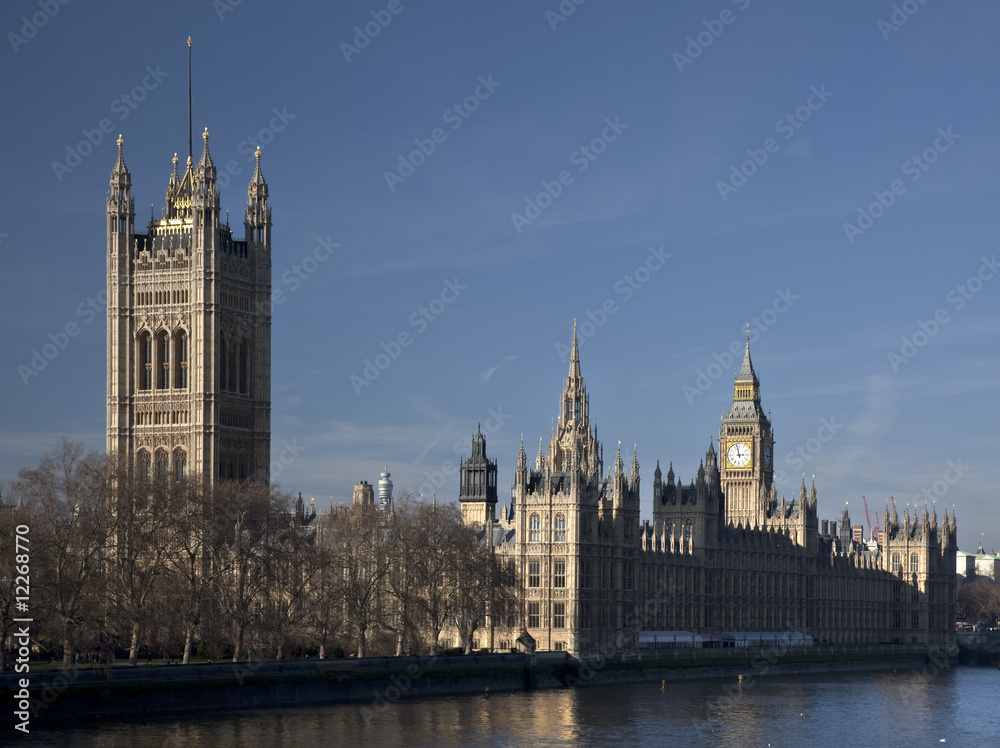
point(206, 167)
point(120, 176)
point(574, 357)
point(257, 190)
point(635, 463)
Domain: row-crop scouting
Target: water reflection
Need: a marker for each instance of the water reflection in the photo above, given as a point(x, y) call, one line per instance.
point(903, 709)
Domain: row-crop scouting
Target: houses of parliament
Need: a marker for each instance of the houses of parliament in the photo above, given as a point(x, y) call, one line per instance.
point(189, 346)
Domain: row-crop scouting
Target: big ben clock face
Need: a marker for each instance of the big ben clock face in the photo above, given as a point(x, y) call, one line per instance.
point(766, 455)
point(739, 455)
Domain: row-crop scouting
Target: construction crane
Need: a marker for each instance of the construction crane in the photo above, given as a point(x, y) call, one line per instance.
point(867, 518)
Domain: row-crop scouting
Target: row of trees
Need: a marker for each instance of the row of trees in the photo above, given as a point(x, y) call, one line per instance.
point(154, 566)
point(978, 601)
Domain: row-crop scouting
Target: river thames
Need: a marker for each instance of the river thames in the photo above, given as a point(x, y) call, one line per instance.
point(957, 707)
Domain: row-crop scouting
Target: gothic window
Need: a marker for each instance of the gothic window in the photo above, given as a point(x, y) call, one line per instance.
point(559, 574)
point(560, 528)
point(533, 615)
point(896, 593)
point(559, 615)
point(181, 359)
point(145, 361)
point(534, 573)
point(233, 366)
point(914, 563)
point(915, 620)
point(180, 464)
point(163, 360)
point(244, 365)
point(162, 464)
point(897, 564)
point(534, 528)
point(223, 360)
point(896, 619)
point(585, 576)
point(144, 465)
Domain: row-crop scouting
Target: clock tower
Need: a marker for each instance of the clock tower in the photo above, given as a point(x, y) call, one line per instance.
point(746, 452)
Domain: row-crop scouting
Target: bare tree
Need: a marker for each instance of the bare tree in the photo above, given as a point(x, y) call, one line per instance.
point(435, 559)
point(244, 517)
point(291, 567)
point(362, 551)
point(146, 515)
point(484, 586)
point(69, 492)
point(189, 570)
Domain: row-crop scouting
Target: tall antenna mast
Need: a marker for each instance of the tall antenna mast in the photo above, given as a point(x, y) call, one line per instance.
point(190, 151)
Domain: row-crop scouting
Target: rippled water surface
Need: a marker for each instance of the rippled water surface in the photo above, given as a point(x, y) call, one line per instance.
point(960, 706)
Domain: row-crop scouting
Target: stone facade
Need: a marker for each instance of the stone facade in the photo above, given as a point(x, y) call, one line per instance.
point(189, 329)
point(722, 554)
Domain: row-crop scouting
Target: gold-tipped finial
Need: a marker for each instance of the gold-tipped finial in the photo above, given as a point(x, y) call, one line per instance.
point(189, 41)
point(748, 332)
point(205, 135)
point(121, 140)
point(257, 153)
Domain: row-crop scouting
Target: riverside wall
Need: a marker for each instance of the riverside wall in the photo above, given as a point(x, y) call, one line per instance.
point(374, 683)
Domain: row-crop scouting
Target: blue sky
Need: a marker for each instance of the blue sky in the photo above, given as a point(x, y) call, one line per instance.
point(718, 175)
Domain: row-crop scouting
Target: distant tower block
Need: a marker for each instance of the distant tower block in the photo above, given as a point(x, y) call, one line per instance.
point(364, 494)
point(385, 489)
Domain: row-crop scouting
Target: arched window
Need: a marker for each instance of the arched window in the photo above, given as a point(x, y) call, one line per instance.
point(914, 563)
point(162, 464)
point(181, 359)
point(144, 465)
point(223, 360)
point(233, 365)
point(163, 360)
point(560, 528)
point(897, 563)
point(534, 528)
point(180, 464)
point(244, 365)
point(145, 361)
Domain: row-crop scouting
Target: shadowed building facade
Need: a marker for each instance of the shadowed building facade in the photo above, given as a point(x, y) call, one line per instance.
point(722, 555)
point(189, 329)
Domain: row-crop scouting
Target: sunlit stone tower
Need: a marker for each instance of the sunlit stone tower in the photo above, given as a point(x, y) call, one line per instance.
point(189, 329)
